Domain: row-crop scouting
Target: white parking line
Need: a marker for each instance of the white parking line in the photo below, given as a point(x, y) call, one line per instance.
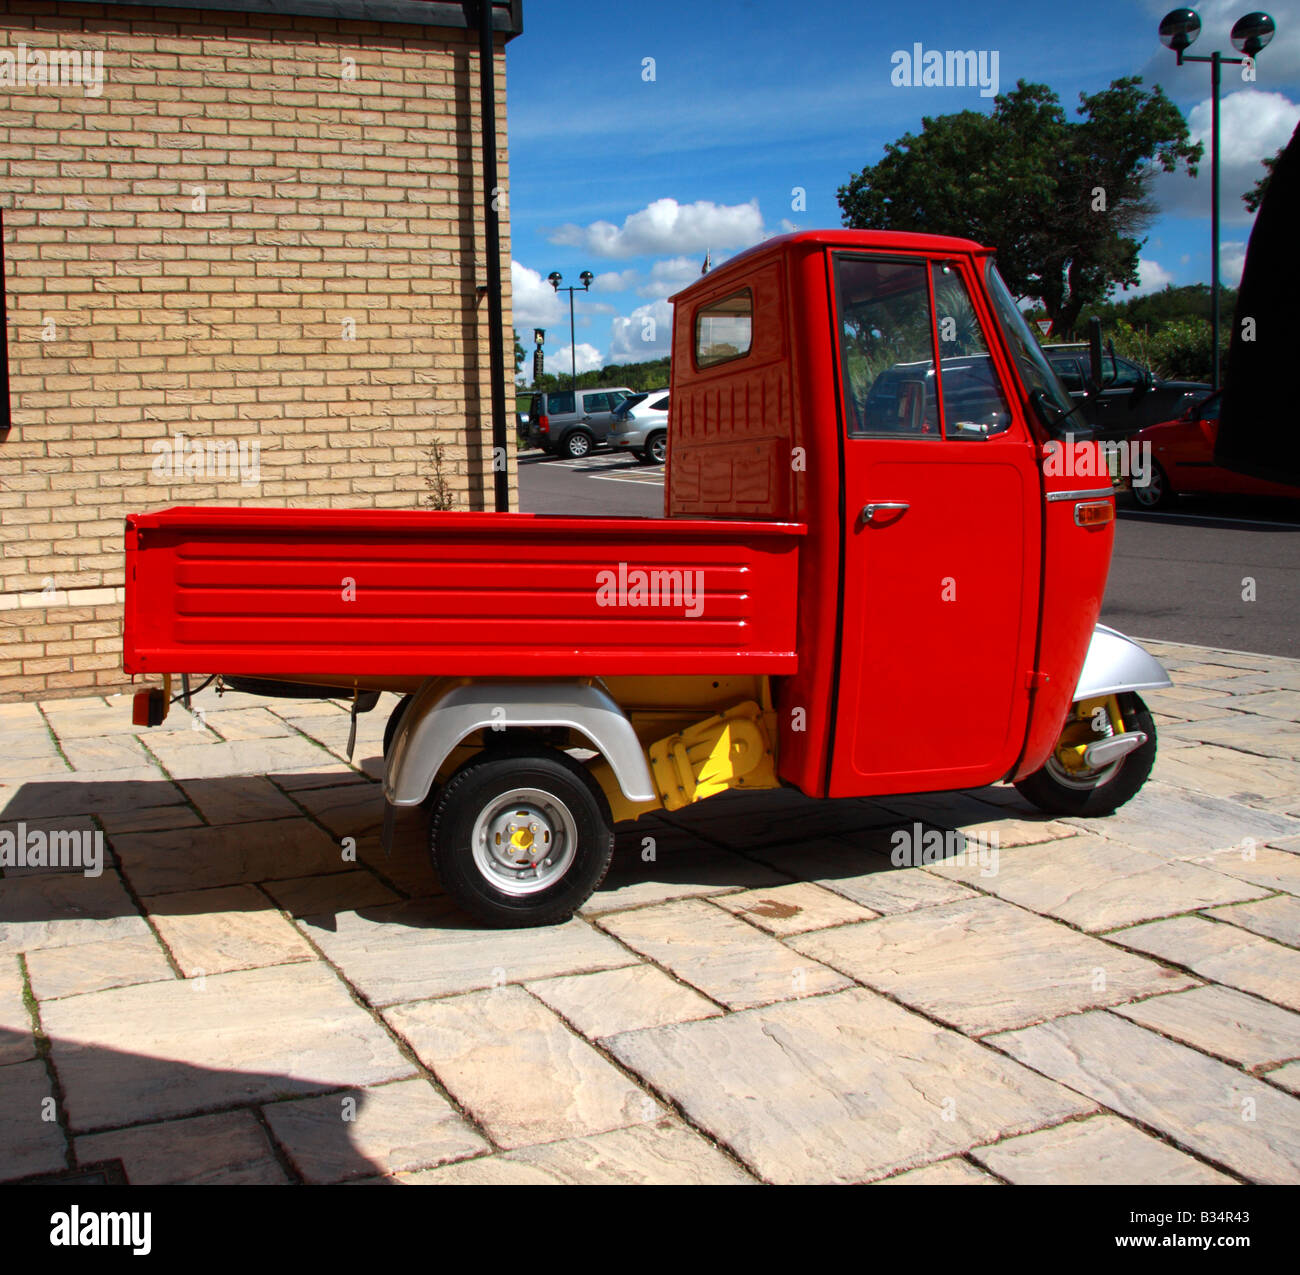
point(1218, 518)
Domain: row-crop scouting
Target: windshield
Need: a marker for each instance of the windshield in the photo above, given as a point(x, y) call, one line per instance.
point(1035, 371)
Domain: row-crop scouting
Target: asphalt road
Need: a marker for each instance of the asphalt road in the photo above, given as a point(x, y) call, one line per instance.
point(1177, 577)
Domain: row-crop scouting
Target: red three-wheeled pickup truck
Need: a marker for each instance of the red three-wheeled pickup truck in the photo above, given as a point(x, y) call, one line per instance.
point(885, 543)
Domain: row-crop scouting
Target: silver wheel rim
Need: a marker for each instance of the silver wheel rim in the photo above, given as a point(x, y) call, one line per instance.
point(659, 450)
point(524, 841)
point(1081, 781)
point(578, 445)
point(1151, 493)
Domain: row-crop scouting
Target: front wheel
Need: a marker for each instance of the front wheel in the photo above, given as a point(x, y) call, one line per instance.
point(1155, 493)
point(1067, 785)
point(521, 837)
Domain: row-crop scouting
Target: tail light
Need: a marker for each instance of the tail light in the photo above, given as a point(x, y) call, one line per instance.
point(544, 424)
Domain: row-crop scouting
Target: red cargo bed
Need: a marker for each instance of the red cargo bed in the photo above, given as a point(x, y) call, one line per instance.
point(266, 591)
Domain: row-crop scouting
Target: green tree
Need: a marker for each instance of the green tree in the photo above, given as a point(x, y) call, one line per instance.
point(1064, 202)
point(519, 356)
point(1255, 196)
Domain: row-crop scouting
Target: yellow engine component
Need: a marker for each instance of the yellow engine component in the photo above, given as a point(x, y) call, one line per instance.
point(728, 750)
point(732, 749)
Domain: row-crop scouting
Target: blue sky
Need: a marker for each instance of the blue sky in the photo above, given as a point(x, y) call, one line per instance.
point(632, 169)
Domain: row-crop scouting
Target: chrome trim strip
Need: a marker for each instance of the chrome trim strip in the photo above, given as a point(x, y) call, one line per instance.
point(1094, 493)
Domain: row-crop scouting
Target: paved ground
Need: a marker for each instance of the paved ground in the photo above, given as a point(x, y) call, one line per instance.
point(251, 992)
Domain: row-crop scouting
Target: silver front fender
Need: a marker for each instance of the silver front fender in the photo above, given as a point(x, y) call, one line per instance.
point(444, 712)
point(1116, 663)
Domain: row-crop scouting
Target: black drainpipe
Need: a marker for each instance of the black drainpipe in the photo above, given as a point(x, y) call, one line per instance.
point(5, 419)
point(492, 234)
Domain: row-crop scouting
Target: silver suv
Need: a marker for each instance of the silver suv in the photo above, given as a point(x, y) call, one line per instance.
point(570, 423)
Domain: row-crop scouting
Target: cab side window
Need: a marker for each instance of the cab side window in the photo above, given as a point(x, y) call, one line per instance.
point(973, 403)
point(886, 347)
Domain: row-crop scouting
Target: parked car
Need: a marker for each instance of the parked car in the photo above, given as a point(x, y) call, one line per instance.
point(641, 426)
point(1131, 398)
point(1182, 462)
point(570, 423)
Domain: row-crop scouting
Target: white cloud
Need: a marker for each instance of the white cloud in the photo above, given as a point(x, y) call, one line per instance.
point(647, 333)
point(534, 302)
point(1252, 125)
point(665, 226)
point(1152, 277)
point(588, 359)
point(615, 280)
point(671, 275)
point(1232, 260)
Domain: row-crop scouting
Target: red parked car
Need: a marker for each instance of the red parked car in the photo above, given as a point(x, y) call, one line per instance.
point(1182, 455)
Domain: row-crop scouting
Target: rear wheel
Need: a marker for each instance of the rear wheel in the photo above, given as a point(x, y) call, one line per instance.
point(1155, 493)
point(577, 444)
point(521, 837)
point(656, 450)
point(1067, 785)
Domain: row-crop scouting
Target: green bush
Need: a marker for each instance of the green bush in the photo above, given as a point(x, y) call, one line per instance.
point(1179, 351)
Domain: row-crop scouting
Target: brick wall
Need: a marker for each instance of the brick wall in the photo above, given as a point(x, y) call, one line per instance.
point(264, 233)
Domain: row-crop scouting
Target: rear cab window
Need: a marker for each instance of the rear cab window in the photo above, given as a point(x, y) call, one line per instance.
point(724, 329)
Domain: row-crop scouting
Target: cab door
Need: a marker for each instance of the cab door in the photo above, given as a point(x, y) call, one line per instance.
point(941, 522)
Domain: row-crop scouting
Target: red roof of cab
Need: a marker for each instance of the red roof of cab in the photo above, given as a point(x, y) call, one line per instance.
point(841, 238)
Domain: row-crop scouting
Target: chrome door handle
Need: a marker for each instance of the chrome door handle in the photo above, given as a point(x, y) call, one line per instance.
point(870, 511)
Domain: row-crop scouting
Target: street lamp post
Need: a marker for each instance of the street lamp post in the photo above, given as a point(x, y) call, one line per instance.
point(555, 278)
point(1178, 31)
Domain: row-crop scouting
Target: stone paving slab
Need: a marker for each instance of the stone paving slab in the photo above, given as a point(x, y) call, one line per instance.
point(184, 859)
point(1271, 869)
point(95, 967)
point(1096, 884)
point(89, 794)
point(1219, 1021)
point(1275, 918)
point(17, 1043)
point(953, 1172)
point(1222, 954)
point(1203, 1105)
point(628, 999)
point(1179, 824)
point(982, 965)
point(660, 1154)
point(415, 950)
point(735, 964)
point(794, 909)
point(154, 1051)
point(29, 1142)
point(233, 927)
point(392, 1128)
point(230, 1149)
point(63, 908)
point(1099, 1151)
point(518, 1070)
point(840, 1088)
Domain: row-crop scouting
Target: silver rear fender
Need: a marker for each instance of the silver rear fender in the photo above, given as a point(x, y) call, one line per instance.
point(1116, 663)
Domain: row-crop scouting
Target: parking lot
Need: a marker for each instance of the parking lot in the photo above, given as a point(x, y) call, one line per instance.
point(251, 991)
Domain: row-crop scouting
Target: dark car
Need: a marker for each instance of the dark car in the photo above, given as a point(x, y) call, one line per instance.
point(570, 423)
point(1131, 398)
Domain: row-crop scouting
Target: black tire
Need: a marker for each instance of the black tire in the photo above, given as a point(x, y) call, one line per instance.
point(1157, 493)
point(577, 444)
point(487, 783)
point(1115, 785)
point(394, 719)
point(655, 451)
